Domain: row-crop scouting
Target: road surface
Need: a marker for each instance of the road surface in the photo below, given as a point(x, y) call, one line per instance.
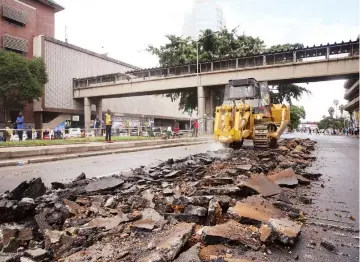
point(335, 197)
point(333, 203)
point(95, 166)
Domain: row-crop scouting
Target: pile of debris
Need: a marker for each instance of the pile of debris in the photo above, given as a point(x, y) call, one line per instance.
point(227, 205)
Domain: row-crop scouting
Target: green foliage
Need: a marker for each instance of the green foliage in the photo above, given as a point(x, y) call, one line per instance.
point(288, 92)
point(21, 80)
point(296, 114)
point(278, 48)
point(217, 45)
point(341, 109)
point(330, 122)
point(331, 111)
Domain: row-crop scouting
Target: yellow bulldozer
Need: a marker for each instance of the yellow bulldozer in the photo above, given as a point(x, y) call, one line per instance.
point(247, 113)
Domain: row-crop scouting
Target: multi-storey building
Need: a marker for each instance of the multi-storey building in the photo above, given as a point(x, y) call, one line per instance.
point(352, 95)
point(206, 14)
point(20, 21)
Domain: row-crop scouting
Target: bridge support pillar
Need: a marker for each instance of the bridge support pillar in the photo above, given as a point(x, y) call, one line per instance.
point(201, 108)
point(87, 113)
point(99, 109)
point(209, 107)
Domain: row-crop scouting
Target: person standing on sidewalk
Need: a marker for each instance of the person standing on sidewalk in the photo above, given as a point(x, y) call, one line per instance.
point(20, 125)
point(196, 127)
point(108, 125)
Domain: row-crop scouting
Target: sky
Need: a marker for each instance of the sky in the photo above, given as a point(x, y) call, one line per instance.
point(124, 28)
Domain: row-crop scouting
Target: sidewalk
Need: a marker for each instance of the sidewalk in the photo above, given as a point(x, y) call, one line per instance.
point(91, 148)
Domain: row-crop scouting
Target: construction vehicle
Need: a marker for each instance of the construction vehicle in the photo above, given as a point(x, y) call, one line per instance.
point(247, 113)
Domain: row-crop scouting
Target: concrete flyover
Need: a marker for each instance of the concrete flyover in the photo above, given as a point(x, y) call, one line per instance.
point(320, 63)
point(309, 71)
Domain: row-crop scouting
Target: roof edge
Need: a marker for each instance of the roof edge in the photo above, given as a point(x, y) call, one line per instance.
point(80, 49)
point(52, 4)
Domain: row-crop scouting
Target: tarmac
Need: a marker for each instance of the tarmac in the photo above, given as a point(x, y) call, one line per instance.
point(17, 156)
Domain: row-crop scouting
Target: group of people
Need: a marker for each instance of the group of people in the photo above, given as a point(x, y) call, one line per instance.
point(351, 131)
point(174, 131)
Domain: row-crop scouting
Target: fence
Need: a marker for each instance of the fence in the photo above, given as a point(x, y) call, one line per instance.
point(9, 134)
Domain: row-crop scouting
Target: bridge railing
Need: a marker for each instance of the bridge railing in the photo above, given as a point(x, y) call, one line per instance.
point(328, 51)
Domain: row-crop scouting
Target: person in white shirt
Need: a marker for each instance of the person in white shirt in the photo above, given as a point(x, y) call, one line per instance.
point(169, 131)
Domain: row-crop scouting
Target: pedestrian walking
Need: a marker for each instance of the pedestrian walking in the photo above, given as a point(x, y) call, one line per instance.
point(309, 131)
point(317, 131)
point(196, 127)
point(20, 125)
point(108, 126)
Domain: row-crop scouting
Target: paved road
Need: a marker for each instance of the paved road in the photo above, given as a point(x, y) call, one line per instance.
point(333, 204)
point(96, 166)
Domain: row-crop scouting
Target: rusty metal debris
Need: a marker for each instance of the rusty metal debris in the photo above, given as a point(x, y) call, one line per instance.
point(204, 207)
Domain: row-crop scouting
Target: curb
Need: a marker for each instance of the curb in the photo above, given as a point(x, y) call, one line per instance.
point(99, 153)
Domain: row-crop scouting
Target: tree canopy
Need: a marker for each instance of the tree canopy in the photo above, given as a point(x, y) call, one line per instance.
point(217, 45)
point(330, 122)
point(331, 111)
point(21, 80)
point(296, 114)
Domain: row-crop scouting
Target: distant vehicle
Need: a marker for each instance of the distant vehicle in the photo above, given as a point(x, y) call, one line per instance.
point(134, 132)
point(73, 132)
point(123, 132)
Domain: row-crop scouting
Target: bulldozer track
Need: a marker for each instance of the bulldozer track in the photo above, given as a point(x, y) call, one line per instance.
point(260, 136)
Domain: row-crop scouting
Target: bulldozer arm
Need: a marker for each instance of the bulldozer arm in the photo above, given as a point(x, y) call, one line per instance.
point(281, 119)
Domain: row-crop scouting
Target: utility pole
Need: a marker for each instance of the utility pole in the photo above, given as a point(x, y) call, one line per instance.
point(66, 35)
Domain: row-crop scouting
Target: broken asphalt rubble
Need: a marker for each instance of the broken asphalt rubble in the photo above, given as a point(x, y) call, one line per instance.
point(205, 207)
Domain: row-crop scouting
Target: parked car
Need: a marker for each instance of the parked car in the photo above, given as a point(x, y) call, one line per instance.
point(134, 132)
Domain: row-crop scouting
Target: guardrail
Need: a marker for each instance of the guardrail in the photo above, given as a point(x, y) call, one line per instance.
point(9, 134)
point(263, 59)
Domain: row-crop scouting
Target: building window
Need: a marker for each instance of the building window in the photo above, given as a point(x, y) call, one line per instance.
point(14, 16)
point(15, 44)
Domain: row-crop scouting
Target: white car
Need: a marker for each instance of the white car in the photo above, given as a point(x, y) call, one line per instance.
point(73, 132)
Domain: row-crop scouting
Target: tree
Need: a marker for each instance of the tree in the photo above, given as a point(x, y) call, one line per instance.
point(341, 108)
point(296, 113)
point(336, 102)
point(212, 45)
point(287, 92)
point(283, 47)
point(330, 122)
point(331, 111)
point(21, 80)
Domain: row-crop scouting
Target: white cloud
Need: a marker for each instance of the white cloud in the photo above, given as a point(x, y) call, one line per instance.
point(125, 28)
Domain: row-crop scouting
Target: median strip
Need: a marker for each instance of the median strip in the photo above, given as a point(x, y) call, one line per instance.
point(43, 159)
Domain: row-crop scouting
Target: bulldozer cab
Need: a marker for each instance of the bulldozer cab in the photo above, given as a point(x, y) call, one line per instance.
point(249, 91)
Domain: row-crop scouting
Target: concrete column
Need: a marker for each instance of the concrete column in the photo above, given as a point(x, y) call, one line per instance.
point(327, 52)
point(201, 108)
point(99, 109)
point(87, 113)
point(209, 107)
point(264, 60)
point(294, 56)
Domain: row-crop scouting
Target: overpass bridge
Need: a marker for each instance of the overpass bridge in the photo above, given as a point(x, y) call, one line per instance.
point(310, 64)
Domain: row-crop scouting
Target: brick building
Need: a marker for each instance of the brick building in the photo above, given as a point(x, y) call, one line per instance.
point(20, 22)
